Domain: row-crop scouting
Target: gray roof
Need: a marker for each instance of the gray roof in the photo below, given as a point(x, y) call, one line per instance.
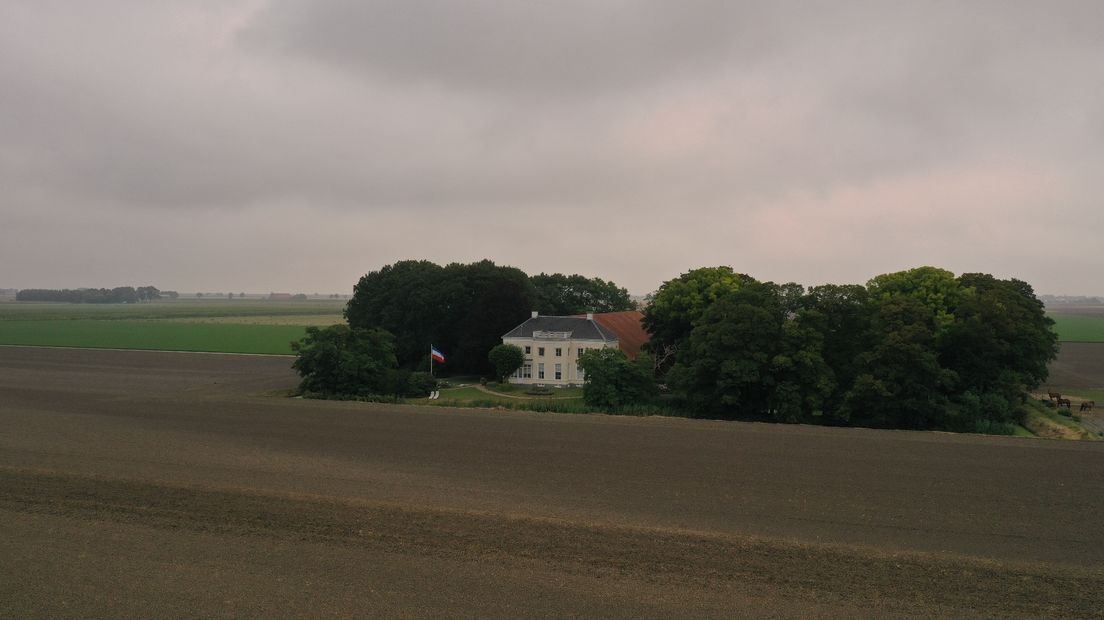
point(579, 328)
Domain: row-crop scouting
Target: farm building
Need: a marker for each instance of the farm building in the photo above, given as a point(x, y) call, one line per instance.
point(628, 328)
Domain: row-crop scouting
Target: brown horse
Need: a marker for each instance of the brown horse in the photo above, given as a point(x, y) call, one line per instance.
point(1053, 395)
point(1064, 402)
point(1088, 405)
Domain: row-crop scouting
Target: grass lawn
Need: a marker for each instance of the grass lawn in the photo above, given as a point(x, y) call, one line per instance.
point(1046, 422)
point(471, 394)
point(1078, 328)
point(520, 390)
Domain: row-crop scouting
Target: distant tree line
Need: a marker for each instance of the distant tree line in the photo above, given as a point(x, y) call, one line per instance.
point(117, 295)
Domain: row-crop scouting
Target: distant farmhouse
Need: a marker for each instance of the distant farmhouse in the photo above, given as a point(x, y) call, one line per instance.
point(553, 344)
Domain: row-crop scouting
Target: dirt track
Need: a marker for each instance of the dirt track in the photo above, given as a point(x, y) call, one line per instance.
point(150, 484)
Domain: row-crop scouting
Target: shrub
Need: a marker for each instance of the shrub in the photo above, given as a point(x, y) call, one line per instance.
point(340, 360)
point(420, 384)
point(613, 381)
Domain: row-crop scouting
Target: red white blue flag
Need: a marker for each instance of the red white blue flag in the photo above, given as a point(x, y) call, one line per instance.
point(435, 354)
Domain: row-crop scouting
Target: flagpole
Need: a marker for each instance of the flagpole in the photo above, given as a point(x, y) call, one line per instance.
point(431, 360)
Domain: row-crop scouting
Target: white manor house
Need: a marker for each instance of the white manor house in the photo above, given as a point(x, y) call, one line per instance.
point(552, 346)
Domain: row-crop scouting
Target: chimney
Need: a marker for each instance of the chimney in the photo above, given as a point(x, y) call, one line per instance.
point(535, 314)
point(590, 316)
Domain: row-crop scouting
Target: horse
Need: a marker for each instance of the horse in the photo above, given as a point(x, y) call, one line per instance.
point(1064, 402)
point(1088, 405)
point(1054, 395)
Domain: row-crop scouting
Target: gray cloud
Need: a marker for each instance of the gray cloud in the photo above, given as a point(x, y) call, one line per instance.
point(563, 48)
point(634, 140)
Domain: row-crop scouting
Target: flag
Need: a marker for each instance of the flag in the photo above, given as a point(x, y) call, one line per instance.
point(435, 354)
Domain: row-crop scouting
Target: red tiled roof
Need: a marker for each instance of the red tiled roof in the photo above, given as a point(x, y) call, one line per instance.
point(630, 332)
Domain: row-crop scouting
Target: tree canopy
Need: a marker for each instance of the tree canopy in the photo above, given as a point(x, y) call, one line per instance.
point(463, 309)
point(913, 349)
point(560, 295)
point(674, 309)
point(343, 360)
point(506, 358)
point(613, 381)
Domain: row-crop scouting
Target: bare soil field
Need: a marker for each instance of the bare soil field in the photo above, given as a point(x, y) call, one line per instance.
point(151, 484)
point(1080, 366)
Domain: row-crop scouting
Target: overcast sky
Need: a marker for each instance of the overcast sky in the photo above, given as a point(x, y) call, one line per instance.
point(293, 145)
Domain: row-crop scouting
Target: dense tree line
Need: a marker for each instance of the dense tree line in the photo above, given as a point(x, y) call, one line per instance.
point(916, 349)
point(117, 295)
point(562, 295)
point(920, 349)
point(465, 309)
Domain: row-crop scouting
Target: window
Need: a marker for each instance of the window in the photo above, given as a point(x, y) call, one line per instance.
point(527, 371)
point(540, 351)
point(559, 372)
point(540, 371)
point(528, 349)
point(559, 352)
point(582, 350)
point(579, 374)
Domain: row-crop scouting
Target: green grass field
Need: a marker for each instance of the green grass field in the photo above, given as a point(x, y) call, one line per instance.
point(1079, 328)
point(222, 326)
point(1094, 395)
point(152, 335)
point(183, 309)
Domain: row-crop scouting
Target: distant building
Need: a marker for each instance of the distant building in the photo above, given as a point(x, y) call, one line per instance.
point(552, 346)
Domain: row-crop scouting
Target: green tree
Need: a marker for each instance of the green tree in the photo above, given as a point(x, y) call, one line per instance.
point(901, 383)
point(124, 294)
point(842, 316)
point(462, 308)
point(750, 355)
point(148, 293)
point(937, 289)
point(506, 359)
point(611, 380)
point(999, 346)
point(343, 360)
point(675, 308)
point(406, 300)
point(484, 301)
point(560, 295)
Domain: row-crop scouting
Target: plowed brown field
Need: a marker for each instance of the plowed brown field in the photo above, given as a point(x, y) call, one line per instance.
point(1080, 366)
point(170, 485)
